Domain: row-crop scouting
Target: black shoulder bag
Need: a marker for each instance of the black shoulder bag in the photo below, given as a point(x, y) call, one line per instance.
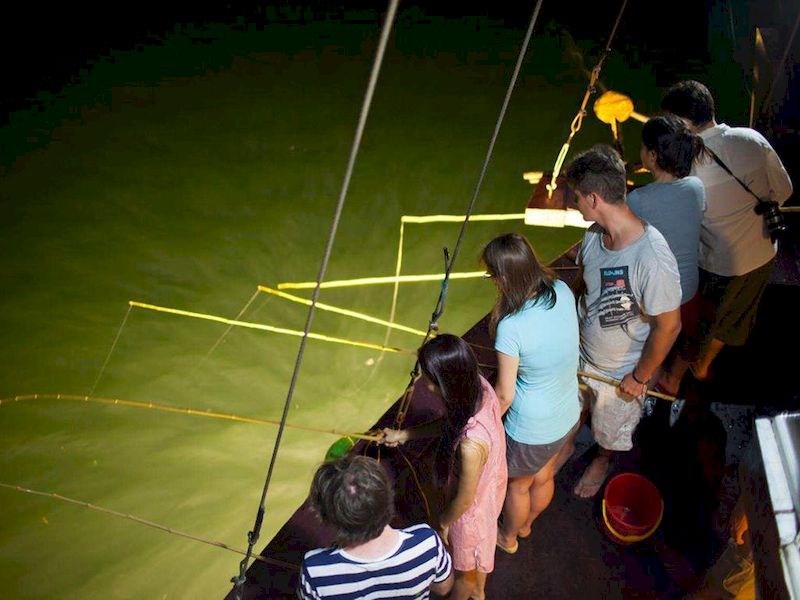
point(769, 209)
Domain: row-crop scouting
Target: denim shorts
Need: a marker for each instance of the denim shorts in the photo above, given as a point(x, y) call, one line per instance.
point(528, 459)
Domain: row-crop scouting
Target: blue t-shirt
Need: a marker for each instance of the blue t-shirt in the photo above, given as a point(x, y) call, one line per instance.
point(676, 209)
point(545, 405)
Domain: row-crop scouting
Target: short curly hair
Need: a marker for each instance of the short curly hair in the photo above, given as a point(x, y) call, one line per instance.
point(353, 495)
point(689, 100)
point(599, 170)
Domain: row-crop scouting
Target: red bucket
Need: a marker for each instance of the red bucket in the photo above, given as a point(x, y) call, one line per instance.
point(632, 507)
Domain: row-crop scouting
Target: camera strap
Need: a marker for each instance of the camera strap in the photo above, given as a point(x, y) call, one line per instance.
point(718, 160)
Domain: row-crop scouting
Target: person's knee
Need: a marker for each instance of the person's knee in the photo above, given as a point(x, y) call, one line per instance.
point(467, 578)
point(520, 485)
point(547, 473)
point(545, 476)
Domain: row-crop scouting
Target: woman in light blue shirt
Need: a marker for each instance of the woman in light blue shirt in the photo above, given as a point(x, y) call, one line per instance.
point(536, 338)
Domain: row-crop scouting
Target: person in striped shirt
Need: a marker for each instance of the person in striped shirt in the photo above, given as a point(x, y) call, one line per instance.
point(369, 559)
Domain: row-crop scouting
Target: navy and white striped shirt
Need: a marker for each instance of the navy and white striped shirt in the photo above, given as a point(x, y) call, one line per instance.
point(408, 571)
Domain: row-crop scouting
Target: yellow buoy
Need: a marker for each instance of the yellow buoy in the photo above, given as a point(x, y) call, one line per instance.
point(612, 107)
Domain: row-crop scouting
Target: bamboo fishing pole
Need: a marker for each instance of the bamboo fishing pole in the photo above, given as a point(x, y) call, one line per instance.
point(185, 411)
point(616, 382)
point(141, 521)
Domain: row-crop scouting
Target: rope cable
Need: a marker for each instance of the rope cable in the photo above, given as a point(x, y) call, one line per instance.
point(577, 122)
point(253, 535)
point(450, 259)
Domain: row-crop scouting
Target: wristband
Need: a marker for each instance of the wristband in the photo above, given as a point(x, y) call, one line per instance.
point(636, 379)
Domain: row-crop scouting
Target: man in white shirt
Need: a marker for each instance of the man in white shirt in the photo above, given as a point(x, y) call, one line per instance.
point(736, 252)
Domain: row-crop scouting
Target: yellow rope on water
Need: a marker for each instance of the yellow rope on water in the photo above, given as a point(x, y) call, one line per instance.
point(432, 219)
point(342, 311)
point(340, 283)
point(460, 218)
point(184, 411)
point(141, 521)
point(270, 328)
point(397, 278)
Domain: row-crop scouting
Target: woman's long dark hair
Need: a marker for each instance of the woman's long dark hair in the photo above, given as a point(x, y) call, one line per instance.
point(675, 147)
point(450, 364)
point(511, 262)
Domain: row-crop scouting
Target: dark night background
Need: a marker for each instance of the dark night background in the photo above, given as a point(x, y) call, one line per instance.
point(46, 47)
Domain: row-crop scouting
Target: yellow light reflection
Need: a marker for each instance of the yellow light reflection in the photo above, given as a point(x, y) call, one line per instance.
point(533, 177)
point(555, 217)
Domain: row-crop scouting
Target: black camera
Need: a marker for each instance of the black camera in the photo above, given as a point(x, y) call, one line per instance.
point(776, 224)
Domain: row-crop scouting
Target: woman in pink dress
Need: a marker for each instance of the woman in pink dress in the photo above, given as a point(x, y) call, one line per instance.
point(471, 454)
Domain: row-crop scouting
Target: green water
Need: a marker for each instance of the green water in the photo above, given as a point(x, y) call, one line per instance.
point(186, 174)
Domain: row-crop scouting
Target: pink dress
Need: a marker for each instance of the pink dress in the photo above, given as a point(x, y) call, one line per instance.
point(473, 536)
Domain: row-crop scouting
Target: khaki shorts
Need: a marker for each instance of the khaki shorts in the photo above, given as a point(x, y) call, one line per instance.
point(613, 419)
point(734, 302)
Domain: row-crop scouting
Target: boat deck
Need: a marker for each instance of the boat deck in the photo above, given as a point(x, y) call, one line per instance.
point(569, 555)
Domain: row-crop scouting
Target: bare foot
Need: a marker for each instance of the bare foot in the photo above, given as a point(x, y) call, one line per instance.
point(563, 456)
point(593, 477)
point(524, 533)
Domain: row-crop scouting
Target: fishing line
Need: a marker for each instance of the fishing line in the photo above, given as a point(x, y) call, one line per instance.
point(164, 528)
point(110, 352)
point(226, 332)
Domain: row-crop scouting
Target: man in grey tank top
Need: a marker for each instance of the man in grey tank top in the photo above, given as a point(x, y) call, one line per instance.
point(629, 310)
